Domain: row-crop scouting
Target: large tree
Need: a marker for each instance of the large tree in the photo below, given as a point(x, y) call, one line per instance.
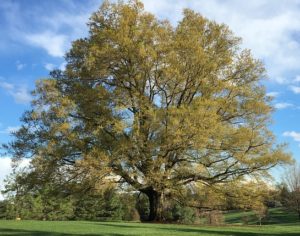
point(152, 106)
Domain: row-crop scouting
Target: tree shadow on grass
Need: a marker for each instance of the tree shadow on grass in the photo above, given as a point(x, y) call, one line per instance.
point(123, 225)
point(21, 232)
point(231, 232)
point(218, 230)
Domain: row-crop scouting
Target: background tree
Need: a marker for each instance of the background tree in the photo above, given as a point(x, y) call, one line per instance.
point(151, 106)
point(3, 209)
point(290, 189)
point(246, 195)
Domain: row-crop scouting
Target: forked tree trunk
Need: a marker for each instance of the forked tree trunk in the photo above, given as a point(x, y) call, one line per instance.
point(154, 198)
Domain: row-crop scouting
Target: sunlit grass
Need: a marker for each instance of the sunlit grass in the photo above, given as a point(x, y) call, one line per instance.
point(280, 223)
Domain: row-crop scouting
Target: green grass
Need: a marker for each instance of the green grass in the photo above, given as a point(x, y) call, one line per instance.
point(63, 228)
point(275, 216)
point(280, 223)
point(239, 217)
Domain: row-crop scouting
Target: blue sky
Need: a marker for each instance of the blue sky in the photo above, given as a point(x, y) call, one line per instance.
point(35, 34)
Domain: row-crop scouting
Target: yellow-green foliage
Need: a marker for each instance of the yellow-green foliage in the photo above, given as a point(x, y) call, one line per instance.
point(152, 105)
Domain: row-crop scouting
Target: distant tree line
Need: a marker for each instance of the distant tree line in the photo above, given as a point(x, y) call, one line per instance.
point(197, 205)
point(290, 189)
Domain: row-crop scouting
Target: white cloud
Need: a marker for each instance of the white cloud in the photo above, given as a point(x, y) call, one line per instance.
point(6, 169)
point(20, 65)
point(10, 129)
point(273, 94)
point(268, 28)
point(52, 30)
point(283, 105)
point(297, 79)
point(65, 24)
point(293, 134)
point(295, 89)
point(7, 86)
point(62, 66)
point(20, 93)
point(49, 66)
point(54, 44)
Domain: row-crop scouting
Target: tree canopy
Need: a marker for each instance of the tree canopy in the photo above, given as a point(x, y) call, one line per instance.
point(150, 106)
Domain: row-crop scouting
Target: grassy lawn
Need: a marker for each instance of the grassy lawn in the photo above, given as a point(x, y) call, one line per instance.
point(56, 228)
point(275, 216)
point(279, 223)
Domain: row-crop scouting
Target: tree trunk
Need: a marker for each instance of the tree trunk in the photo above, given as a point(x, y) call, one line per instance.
point(154, 198)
